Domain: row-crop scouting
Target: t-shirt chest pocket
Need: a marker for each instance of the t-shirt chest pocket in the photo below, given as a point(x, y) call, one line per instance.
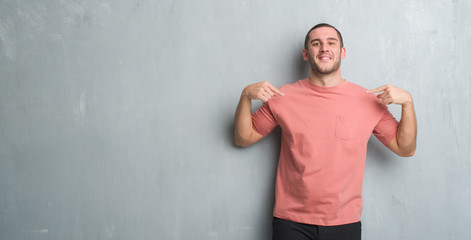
point(346, 128)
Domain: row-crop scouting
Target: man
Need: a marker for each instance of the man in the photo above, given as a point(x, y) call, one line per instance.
point(326, 122)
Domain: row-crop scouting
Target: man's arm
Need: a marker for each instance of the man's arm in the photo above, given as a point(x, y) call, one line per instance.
point(244, 134)
point(405, 143)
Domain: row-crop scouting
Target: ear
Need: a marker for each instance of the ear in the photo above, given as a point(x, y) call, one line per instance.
point(305, 55)
point(343, 52)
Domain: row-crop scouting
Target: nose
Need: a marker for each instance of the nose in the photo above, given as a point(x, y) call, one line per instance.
point(324, 48)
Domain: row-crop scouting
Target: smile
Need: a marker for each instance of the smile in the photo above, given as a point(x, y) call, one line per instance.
point(325, 58)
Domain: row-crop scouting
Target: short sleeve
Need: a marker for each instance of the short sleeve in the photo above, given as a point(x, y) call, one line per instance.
point(263, 120)
point(386, 128)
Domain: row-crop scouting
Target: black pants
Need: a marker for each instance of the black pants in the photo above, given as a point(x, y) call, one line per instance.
point(288, 230)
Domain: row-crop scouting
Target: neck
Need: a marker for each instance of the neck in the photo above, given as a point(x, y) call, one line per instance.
point(326, 80)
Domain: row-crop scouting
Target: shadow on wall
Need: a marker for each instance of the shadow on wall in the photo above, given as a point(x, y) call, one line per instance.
point(265, 214)
point(378, 152)
point(298, 70)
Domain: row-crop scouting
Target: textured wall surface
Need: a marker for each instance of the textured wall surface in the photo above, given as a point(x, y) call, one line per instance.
point(116, 116)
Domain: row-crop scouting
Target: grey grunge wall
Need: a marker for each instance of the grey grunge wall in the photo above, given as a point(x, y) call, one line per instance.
point(116, 116)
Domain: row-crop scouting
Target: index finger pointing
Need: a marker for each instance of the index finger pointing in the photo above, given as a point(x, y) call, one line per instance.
point(275, 90)
point(377, 90)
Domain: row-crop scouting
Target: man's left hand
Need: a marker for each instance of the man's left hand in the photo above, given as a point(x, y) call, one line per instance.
point(391, 94)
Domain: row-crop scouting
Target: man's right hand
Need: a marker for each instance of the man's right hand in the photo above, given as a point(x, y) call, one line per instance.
point(244, 133)
point(261, 91)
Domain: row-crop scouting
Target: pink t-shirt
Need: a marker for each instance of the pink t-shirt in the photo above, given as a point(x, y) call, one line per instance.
point(325, 132)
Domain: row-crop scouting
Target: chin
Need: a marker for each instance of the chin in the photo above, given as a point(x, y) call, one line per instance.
point(325, 70)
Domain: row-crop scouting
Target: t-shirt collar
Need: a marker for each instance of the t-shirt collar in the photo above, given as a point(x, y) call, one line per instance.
point(324, 89)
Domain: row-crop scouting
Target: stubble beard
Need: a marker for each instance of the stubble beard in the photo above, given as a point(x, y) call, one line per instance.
point(326, 70)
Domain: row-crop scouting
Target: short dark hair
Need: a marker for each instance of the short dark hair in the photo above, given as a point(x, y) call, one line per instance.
point(306, 40)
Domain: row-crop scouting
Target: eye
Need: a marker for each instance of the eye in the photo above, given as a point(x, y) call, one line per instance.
point(316, 44)
point(332, 43)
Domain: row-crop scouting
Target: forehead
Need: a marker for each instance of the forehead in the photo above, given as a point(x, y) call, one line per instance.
point(323, 33)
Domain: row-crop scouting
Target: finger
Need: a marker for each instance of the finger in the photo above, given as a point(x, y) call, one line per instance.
point(263, 95)
point(275, 90)
point(387, 101)
point(263, 98)
point(381, 95)
point(384, 96)
point(378, 89)
point(270, 92)
point(266, 95)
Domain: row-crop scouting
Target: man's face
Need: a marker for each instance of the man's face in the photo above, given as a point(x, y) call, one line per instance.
point(324, 50)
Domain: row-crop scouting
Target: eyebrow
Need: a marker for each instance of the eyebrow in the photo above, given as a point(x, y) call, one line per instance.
point(331, 38)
